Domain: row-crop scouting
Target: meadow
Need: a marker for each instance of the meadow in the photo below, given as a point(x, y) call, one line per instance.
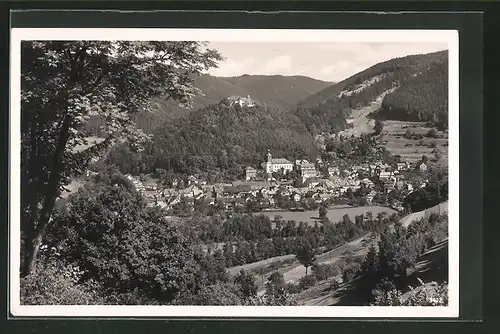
point(335, 214)
point(409, 149)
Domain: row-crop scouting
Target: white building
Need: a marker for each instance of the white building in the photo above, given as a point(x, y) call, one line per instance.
point(306, 169)
point(277, 165)
point(250, 173)
point(241, 101)
point(386, 175)
point(402, 166)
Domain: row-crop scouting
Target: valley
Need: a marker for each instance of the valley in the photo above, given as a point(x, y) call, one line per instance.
point(269, 190)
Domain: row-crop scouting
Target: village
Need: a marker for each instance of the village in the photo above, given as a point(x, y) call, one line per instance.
point(280, 184)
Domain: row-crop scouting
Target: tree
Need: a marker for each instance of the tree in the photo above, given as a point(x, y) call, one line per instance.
point(246, 284)
point(219, 294)
point(60, 287)
point(63, 84)
point(306, 256)
point(379, 126)
point(275, 284)
point(349, 193)
point(432, 133)
point(322, 212)
point(123, 245)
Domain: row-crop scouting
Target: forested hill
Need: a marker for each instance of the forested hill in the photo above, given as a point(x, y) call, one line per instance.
point(423, 98)
point(325, 110)
point(276, 91)
point(220, 141)
point(396, 69)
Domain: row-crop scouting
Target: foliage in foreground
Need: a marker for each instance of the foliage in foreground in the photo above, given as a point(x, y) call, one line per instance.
point(109, 248)
point(124, 246)
point(431, 294)
point(52, 283)
point(64, 84)
point(387, 268)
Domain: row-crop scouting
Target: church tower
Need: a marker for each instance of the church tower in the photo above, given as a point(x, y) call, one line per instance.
point(269, 162)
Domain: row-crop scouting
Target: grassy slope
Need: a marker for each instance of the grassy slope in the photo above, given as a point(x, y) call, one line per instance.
point(432, 265)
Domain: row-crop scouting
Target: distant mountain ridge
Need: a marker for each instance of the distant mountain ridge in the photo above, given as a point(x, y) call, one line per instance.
point(407, 65)
point(326, 110)
point(275, 91)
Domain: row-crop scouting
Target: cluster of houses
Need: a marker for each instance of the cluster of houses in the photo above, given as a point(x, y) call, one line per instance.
point(266, 190)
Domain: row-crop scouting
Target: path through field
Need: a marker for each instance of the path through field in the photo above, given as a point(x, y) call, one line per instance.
point(359, 118)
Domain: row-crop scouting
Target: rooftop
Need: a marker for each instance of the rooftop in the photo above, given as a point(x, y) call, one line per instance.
point(280, 161)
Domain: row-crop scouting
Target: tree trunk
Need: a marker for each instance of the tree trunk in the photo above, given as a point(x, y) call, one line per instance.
point(33, 244)
point(306, 271)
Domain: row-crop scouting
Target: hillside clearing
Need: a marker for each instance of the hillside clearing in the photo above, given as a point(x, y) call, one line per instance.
point(359, 118)
point(412, 150)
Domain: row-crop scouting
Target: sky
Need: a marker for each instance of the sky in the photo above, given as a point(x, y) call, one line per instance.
point(324, 61)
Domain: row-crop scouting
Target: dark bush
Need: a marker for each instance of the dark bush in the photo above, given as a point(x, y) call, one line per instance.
point(292, 288)
point(56, 284)
point(350, 272)
point(432, 133)
point(307, 281)
point(324, 271)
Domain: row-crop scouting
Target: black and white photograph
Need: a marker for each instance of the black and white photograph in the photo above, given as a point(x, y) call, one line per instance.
point(304, 173)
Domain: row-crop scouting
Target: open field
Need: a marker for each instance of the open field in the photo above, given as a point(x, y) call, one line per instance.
point(360, 123)
point(394, 142)
point(255, 266)
point(334, 214)
point(409, 149)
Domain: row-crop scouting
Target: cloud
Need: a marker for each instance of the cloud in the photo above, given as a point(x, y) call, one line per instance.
point(277, 64)
point(231, 67)
point(329, 69)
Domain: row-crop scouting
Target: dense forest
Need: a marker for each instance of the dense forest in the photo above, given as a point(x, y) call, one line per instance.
point(220, 139)
point(422, 98)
